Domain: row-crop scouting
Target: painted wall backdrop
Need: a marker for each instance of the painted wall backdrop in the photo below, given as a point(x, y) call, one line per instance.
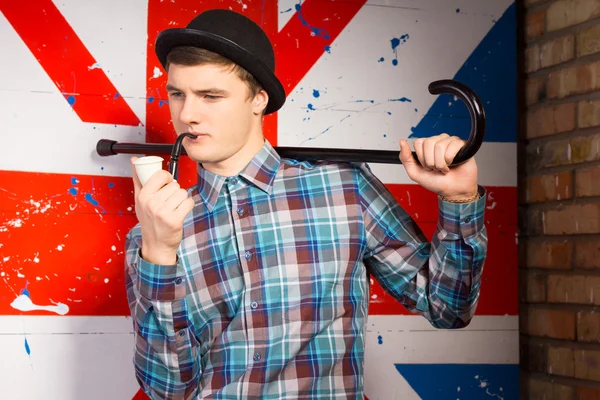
point(356, 74)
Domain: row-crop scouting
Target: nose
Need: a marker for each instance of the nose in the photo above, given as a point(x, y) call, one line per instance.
point(190, 112)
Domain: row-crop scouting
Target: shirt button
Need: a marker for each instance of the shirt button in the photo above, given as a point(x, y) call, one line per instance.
point(467, 220)
point(240, 211)
point(248, 255)
point(254, 305)
point(182, 333)
point(256, 357)
point(178, 281)
point(234, 181)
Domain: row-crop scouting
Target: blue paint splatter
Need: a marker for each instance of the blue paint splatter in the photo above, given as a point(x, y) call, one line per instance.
point(27, 349)
point(384, 135)
point(285, 11)
point(402, 99)
point(310, 107)
point(71, 100)
point(25, 291)
point(364, 101)
point(416, 110)
point(101, 168)
point(110, 184)
point(380, 339)
point(388, 113)
point(457, 10)
point(317, 31)
point(395, 43)
point(328, 49)
point(90, 199)
point(161, 102)
point(347, 116)
point(73, 191)
point(381, 59)
point(120, 212)
point(74, 181)
point(117, 95)
point(316, 93)
point(150, 99)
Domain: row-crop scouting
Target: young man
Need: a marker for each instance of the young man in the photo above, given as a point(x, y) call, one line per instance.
point(253, 283)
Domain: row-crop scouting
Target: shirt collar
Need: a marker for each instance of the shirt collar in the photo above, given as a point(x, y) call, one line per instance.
point(260, 172)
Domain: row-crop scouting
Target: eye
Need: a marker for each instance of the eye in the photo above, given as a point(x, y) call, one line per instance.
point(176, 94)
point(211, 97)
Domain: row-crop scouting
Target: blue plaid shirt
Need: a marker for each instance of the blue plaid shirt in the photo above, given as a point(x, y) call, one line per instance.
point(269, 296)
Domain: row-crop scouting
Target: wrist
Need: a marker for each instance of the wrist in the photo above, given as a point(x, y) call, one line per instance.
point(461, 197)
point(158, 255)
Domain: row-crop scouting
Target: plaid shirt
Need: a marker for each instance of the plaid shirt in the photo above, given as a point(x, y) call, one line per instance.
point(269, 296)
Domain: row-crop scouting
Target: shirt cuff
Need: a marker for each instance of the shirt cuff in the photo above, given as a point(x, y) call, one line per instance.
point(158, 282)
point(464, 219)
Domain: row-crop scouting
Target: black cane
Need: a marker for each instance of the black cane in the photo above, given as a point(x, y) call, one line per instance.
point(106, 147)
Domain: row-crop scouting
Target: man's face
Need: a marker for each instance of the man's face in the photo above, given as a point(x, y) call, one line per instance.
point(214, 103)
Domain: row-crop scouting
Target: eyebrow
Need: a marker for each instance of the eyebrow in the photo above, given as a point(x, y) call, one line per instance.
point(171, 88)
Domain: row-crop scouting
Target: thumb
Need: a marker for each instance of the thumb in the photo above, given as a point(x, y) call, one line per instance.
point(409, 161)
point(137, 185)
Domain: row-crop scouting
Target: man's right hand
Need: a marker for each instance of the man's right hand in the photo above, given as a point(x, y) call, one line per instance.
point(161, 207)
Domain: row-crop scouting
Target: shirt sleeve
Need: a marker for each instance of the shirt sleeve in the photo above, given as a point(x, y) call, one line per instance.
point(166, 349)
point(439, 280)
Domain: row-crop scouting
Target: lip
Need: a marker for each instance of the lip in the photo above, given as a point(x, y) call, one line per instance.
point(198, 136)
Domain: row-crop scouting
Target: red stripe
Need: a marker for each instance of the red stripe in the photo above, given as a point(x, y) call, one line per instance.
point(40, 215)
point(65, 59)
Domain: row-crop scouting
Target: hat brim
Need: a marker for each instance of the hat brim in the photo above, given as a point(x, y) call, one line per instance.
point(175, 37)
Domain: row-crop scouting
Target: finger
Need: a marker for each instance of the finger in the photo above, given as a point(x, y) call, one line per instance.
point(157, 181)
point(175, 200)
point(419, 150)
point(137, 185)
point(408, 160)
point(440, 155)
point(184, 209)
point(165, 193)
point(429, 154)
point(455, 146)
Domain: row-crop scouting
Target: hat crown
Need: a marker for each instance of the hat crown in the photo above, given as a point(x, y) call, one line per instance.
point(239, 29)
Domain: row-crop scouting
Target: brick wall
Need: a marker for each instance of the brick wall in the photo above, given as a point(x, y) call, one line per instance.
point(559, 189)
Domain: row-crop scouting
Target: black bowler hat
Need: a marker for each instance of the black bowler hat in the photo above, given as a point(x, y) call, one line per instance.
point(235, 37)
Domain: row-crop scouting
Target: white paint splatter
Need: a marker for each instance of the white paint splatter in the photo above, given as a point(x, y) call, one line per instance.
point(94, 66)
point(105, 280)
point(59, 247)
point(129, 208)
point(113, 248)
point(6, 258)
point(20, 275)
point(2, 273)
point(157, 72)
point(24, 303)
point(37, 278)
point(36, 259)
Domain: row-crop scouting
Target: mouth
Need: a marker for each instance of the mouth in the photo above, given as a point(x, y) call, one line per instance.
point(196, 137)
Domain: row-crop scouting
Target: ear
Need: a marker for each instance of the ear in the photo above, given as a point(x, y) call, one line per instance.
point(260, 102)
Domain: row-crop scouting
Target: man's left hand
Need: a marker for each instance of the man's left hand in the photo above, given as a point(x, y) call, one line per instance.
point(435, 154)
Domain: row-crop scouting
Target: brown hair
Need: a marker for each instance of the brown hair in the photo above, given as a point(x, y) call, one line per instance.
point(192, 56)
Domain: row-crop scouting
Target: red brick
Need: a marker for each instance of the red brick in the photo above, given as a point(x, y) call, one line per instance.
point(573, 80)
point(572, 219)
point(589, 113)
point(532, 58)
point(551, 255)
point(532, 287)
point(561, 361)
point(564, 13)
point(535, 24)
point(588, 41)
point(557, 51)
point(549, 187)
point(535, 389)
point(567, 289)
point(587, 182)
point(587, 393)
point(535, 90)
point(587, 254)
point(544, 121)
point(587, 364)
point(588, 326)
point(557, 324)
